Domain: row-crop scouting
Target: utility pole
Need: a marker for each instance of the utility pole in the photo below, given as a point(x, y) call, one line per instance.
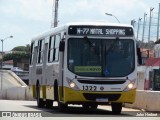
point(144, 24)
point(158, 23)
point(139, 20)
point(150, 18)
point(54, 22)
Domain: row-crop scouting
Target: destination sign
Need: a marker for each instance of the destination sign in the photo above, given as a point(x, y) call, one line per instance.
point(100, 30)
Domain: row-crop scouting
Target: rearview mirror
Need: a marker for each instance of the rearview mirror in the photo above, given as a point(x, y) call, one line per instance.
point(139, 56)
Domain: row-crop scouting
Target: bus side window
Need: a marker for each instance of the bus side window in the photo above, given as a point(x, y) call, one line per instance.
point(31, 52)
point(40, 51)
point(56, 47)
point(51, 49)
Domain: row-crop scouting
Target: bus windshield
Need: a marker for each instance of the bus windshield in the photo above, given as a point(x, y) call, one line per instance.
point(101, 57)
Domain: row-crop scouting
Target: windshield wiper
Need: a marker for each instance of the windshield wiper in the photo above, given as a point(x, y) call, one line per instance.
point(112, 45)
point(91, 45)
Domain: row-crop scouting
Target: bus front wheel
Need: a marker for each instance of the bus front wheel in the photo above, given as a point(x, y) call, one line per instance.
point(116, 108)
point(62, 106)
point(86, 106)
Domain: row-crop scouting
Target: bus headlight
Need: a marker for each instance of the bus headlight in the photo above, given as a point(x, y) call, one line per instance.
point(130, 86)
point(72, 84)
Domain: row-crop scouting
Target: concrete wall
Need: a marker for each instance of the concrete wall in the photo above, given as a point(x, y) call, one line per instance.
point(16, 93)
point(146, 100)
point(13, 88)
point(141, 77)
point(10, 80)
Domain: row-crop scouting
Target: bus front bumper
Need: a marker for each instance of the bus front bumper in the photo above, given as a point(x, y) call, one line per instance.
point(73, 96)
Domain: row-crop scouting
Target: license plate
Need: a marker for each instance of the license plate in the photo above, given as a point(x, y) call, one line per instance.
point(102, 100)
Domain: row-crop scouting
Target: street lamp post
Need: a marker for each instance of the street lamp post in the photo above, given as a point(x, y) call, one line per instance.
point(150, 18)
point(113, 16)
point(139, 20)
point(144, 24)
point(2, 40)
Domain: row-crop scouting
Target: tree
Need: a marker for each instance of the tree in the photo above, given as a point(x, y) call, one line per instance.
point(28, 48)
point(16, 57)
point(19, 48)
point(18, 53)
point(22, 48)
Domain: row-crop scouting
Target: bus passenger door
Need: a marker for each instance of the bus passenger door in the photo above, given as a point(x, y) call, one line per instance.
point(61, 69)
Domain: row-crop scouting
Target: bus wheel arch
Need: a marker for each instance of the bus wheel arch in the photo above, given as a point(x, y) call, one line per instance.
point(55, 90)
point(37, 89)
point(40, 102)
point(61, 106)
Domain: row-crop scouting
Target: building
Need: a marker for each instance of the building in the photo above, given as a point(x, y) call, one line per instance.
point(152, 66)
point(146, 53)
point(22, 63)
point(8, 64)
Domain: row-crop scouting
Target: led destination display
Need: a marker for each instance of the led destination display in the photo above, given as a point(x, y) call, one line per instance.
point(100, 30)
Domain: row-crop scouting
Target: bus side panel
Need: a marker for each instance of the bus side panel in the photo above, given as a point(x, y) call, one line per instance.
point(50, 92)
point(43, 80)
point(32, 90)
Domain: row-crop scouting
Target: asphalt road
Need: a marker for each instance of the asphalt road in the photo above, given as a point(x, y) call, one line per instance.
point(26, 109)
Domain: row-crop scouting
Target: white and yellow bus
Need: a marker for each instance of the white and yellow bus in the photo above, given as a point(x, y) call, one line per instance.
point(89, 63)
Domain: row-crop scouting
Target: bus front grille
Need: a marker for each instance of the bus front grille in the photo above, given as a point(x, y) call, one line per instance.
point(93, 96)
point(102, 82)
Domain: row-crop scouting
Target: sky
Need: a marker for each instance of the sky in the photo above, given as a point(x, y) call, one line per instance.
point(23, 19)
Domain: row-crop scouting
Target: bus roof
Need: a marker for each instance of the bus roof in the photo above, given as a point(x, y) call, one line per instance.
point(99, 23)
point(63, 27)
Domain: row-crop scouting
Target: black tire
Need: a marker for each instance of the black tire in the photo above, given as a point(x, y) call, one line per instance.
point(116, 108)
point(94, 106)
point(86, 106)
point(40, 102)
point(62, 107)
point(56, 91)
point(49, 103)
